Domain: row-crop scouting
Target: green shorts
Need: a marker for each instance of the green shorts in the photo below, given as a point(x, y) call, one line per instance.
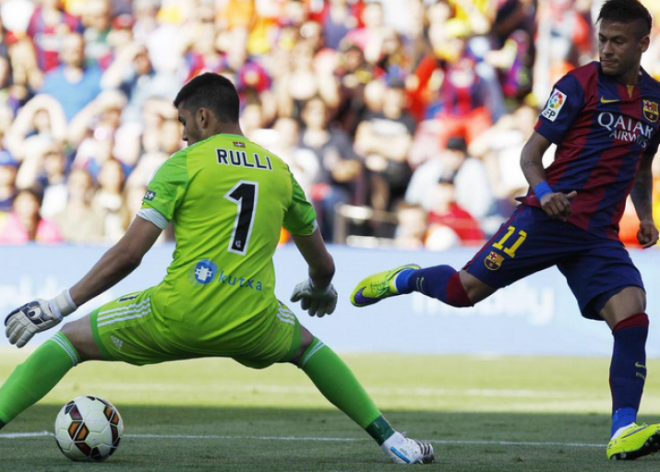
point(128, 330)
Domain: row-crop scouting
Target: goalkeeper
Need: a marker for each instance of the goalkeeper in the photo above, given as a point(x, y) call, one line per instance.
point(227, 199)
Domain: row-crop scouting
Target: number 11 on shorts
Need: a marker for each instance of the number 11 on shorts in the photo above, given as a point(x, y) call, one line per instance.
point(511, 251)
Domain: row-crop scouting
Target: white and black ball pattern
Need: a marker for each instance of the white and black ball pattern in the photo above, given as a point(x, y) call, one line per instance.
point(88, 428)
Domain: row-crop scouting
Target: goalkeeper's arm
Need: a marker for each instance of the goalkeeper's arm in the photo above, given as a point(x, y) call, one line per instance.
point(119, 261)
point(316, 294)
point(319, 260)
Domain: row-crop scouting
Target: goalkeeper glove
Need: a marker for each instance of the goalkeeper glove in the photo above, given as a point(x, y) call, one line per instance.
point(36, 316)
point(317, 301)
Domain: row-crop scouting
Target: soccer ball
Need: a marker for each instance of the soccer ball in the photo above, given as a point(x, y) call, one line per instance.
point(88, 429)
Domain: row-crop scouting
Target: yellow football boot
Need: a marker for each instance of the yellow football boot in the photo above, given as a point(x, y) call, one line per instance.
point(378, 286)
point(636, 441)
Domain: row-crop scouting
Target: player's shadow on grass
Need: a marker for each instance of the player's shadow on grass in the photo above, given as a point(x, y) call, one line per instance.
point(179, 438)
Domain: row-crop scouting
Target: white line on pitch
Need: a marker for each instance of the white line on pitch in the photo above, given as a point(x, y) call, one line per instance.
point(303, 390)
point(305, 438)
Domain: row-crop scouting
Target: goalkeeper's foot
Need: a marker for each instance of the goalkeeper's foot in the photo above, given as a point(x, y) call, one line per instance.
point(635, 441)
point(403, 450)
point(378, 286)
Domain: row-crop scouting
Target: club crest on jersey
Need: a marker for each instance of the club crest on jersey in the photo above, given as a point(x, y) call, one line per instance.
point(555, 104)
point(493, 261)
point(239, 144)
point(651, 111)
point(150, 195)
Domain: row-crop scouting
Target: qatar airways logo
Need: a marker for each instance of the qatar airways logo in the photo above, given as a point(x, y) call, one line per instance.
point(626, 129)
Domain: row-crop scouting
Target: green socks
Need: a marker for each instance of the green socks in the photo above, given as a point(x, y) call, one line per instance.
point(337, 383)
point(37, 376)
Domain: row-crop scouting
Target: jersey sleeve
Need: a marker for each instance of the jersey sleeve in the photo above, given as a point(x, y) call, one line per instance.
point(168, 186)
point(566, 101)
point(300, 218)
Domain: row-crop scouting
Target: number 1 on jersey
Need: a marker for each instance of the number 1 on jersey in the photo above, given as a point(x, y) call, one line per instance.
point(244, 194)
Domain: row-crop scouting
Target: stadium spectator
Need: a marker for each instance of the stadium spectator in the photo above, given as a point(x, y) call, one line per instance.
point(369, 36)
point(120, 35)
point(513, 47)
point(10, 94)
point(24, 223)
point(52, 179)
point(26, 77)
point(303, 82)
point(159, 143)
point(412, 226)
point(445, 212)
point(353, 74)
point(305, 165)
point(48, 29)
point(339, 179)
point(499, 149)
point(337, 20)
point(133, 74)
point(109, 198)
point(8, 170)
point(461, 106)
point(467, 173)
point(42, 117)
point(252, 80)
point(146, 19)
point(97, 22)
point(564, 34)
point(73, 83)
point(78, 221)
point(203, 54)
point(383, 139)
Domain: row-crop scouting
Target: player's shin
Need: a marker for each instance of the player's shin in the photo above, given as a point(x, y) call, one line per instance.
point(628, 369)
point(338, 384)
point(440, 282)
point(35, 377)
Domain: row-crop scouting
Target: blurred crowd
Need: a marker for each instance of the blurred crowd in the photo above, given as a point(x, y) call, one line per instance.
point(403, 120)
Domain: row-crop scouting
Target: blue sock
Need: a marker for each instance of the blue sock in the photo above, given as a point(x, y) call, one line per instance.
point(440, 282)
point(623, 417)
point(401, 281)
point(628, 369)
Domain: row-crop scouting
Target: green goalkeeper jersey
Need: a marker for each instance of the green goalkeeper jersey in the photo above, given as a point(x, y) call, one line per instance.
point(228, 199)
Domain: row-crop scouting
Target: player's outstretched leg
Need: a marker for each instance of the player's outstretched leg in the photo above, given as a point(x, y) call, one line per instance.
point(627, 376)
point(337, 383)
point(35, 377)
point(440, 282)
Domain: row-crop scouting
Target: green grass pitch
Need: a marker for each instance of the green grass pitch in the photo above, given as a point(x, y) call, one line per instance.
point(481, 414)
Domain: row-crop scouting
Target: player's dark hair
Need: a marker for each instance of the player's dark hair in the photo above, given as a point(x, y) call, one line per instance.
point(626, 11)
point(211, 91)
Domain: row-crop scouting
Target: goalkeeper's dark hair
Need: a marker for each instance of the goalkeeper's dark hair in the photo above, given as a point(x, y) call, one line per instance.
point(211, 91)
point(627, 11)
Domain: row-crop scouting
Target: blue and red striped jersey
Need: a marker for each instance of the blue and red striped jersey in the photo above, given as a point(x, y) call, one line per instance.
point(601, 129)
